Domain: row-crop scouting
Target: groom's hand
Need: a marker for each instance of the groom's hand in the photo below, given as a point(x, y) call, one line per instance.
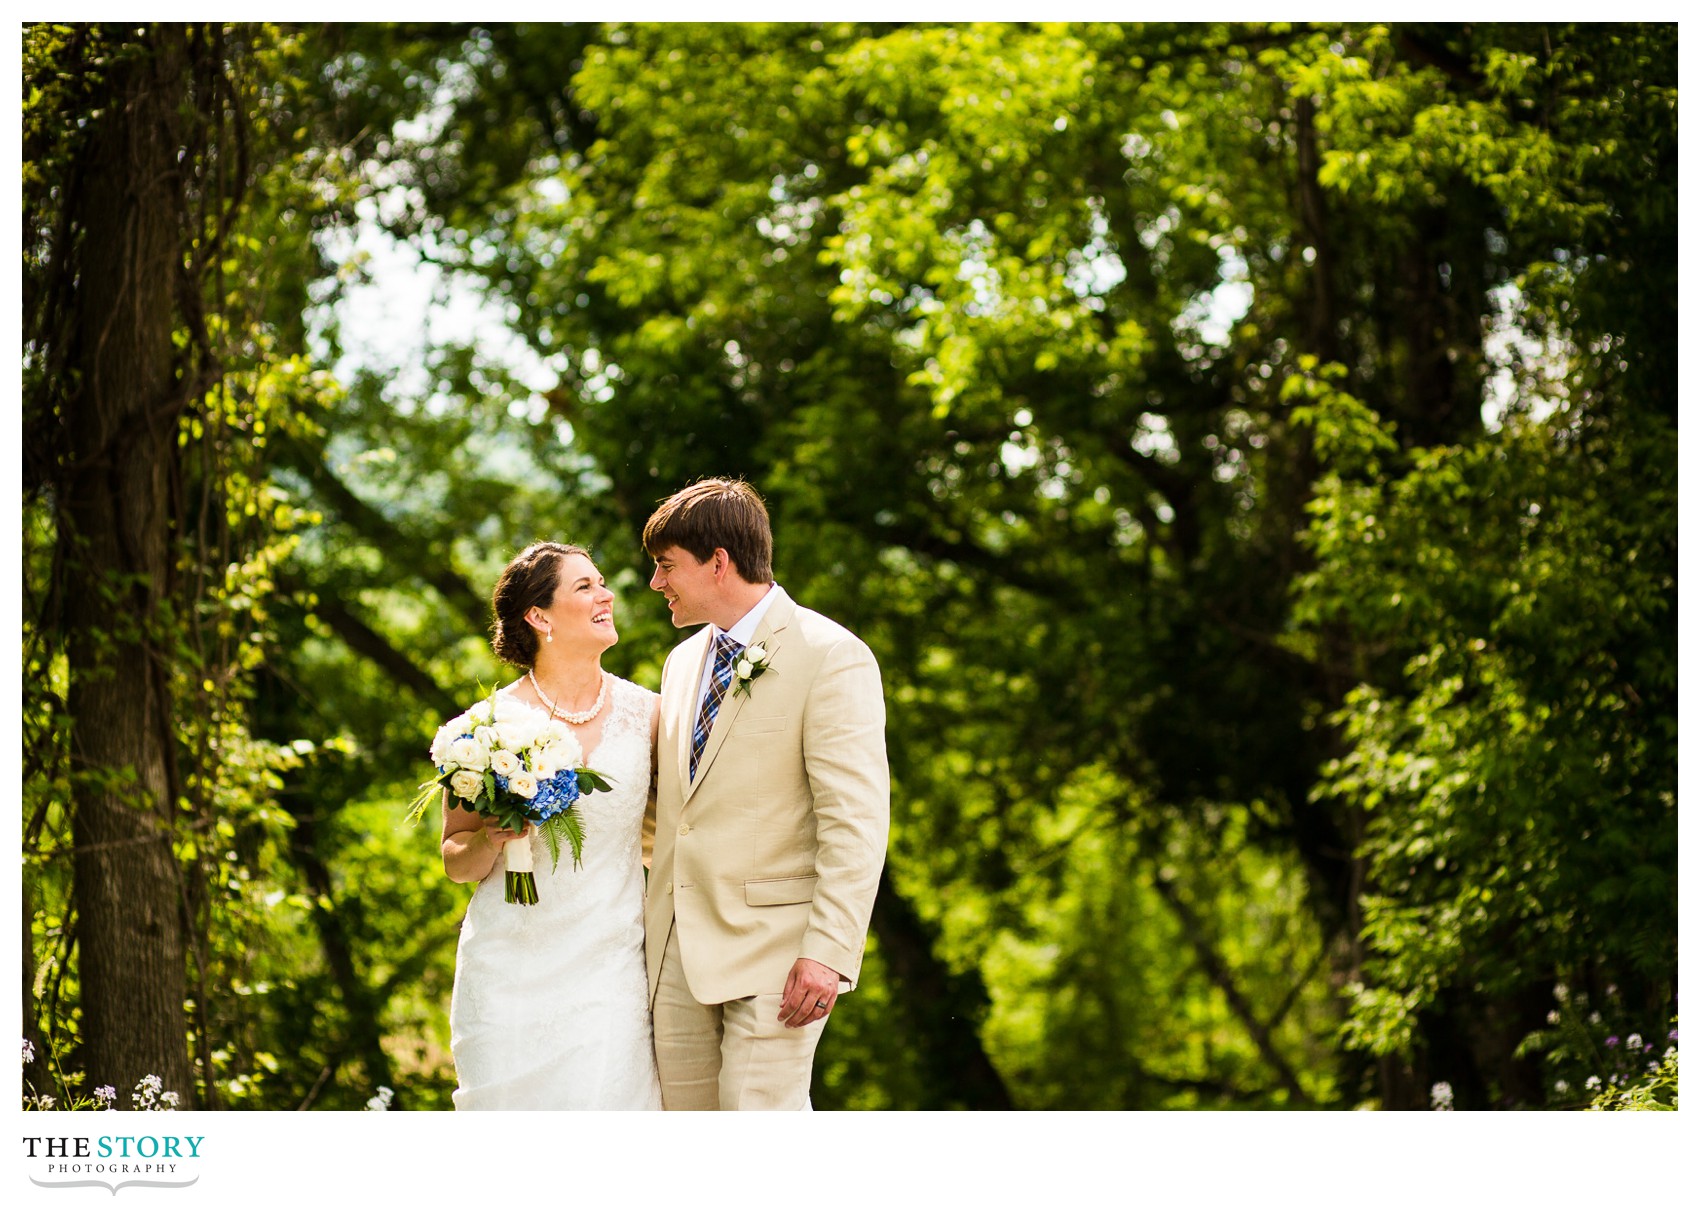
point(810, 992)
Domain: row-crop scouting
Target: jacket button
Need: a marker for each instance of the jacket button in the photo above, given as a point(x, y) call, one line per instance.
point(684, 829)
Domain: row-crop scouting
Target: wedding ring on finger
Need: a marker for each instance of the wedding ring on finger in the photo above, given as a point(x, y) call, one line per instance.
point(820, 1005)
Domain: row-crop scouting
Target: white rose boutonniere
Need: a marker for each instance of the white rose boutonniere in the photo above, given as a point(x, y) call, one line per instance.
point(750, 665)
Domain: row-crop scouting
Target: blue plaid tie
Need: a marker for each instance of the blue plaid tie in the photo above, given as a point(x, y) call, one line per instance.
point(726, 650)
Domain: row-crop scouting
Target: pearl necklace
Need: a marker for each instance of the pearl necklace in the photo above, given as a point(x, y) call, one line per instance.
point(572, 717)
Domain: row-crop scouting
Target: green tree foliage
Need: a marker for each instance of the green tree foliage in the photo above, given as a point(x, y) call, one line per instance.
point(1265, 729)
point(147, 624)
point(962, 300)
point(148, 385)
point(1511, 603)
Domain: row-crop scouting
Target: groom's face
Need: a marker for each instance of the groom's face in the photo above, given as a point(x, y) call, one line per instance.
point(687, 583)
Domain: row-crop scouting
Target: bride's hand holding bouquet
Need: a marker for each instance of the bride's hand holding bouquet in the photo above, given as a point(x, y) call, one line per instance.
point(517, 769)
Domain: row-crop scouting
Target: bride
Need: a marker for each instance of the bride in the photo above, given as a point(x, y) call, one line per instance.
point(550, 1008)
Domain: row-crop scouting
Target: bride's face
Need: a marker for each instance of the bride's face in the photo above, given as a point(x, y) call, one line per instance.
point(582, 612)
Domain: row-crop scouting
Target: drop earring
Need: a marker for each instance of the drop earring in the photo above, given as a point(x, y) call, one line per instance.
point(549, 636)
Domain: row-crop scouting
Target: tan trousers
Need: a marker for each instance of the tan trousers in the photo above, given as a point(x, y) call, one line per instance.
point(736, 1056)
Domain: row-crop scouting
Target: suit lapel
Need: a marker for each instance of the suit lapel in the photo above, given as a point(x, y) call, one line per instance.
point(773, 623)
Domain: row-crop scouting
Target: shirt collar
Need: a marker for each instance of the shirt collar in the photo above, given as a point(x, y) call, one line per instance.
point(744, 630)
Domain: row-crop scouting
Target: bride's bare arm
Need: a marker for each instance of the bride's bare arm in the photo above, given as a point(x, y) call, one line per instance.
point(470, 843)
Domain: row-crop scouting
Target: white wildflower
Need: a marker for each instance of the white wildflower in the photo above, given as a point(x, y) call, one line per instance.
point(145, 1097)
point(1633, 1043)
point(1440, 1096)
point(381, 1100)
point(1561, 1086)
point(29, 1052)
point(1561, 991)
point(148, 1096)
point(1593, 1083)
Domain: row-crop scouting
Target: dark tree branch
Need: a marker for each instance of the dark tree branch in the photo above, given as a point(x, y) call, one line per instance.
point(1221, 975)
point(336, 940)
point(945, 1008)
point(364, 641)
point(384, 534)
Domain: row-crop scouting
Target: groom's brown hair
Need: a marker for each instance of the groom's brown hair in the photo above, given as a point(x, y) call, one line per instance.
point(715, 513)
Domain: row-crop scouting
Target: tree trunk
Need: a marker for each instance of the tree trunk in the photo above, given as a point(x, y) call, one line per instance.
point(115, 537)
point(944, 1009)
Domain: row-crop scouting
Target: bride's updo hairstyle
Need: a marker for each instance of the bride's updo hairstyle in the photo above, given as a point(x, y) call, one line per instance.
point(530, 579)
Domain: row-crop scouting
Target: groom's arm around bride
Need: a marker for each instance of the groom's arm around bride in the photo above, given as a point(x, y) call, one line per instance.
point(772, 810)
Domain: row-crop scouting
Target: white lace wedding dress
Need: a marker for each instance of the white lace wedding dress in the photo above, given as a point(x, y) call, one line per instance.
point(551, 1001)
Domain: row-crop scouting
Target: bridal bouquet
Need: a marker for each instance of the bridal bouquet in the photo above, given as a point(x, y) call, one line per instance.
point(510, 764)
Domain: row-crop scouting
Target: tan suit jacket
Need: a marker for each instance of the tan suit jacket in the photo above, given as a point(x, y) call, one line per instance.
point(774, 851)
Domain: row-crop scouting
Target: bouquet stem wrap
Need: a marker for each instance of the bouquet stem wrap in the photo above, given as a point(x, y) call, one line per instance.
point(521, 883)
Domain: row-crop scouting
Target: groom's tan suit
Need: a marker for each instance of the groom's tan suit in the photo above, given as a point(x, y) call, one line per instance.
point(773, 852)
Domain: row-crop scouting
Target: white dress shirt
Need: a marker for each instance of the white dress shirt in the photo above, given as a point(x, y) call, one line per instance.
point(742, 632)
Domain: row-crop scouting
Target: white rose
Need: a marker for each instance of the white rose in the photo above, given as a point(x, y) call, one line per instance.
point(756, 652)
point(551, 733)
point(466, 784)
point(518, 732)
point(468, 754)
point(564, 754)
point(745, 668)
point(447, 735)
point(479, 712)
point(486, 736)
point(505, 763)
point(523, 784)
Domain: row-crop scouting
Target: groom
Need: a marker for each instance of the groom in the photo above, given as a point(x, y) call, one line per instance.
point(772, 807)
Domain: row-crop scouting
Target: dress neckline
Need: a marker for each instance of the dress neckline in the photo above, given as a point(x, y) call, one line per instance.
point(615, 683)
point(507, 691)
